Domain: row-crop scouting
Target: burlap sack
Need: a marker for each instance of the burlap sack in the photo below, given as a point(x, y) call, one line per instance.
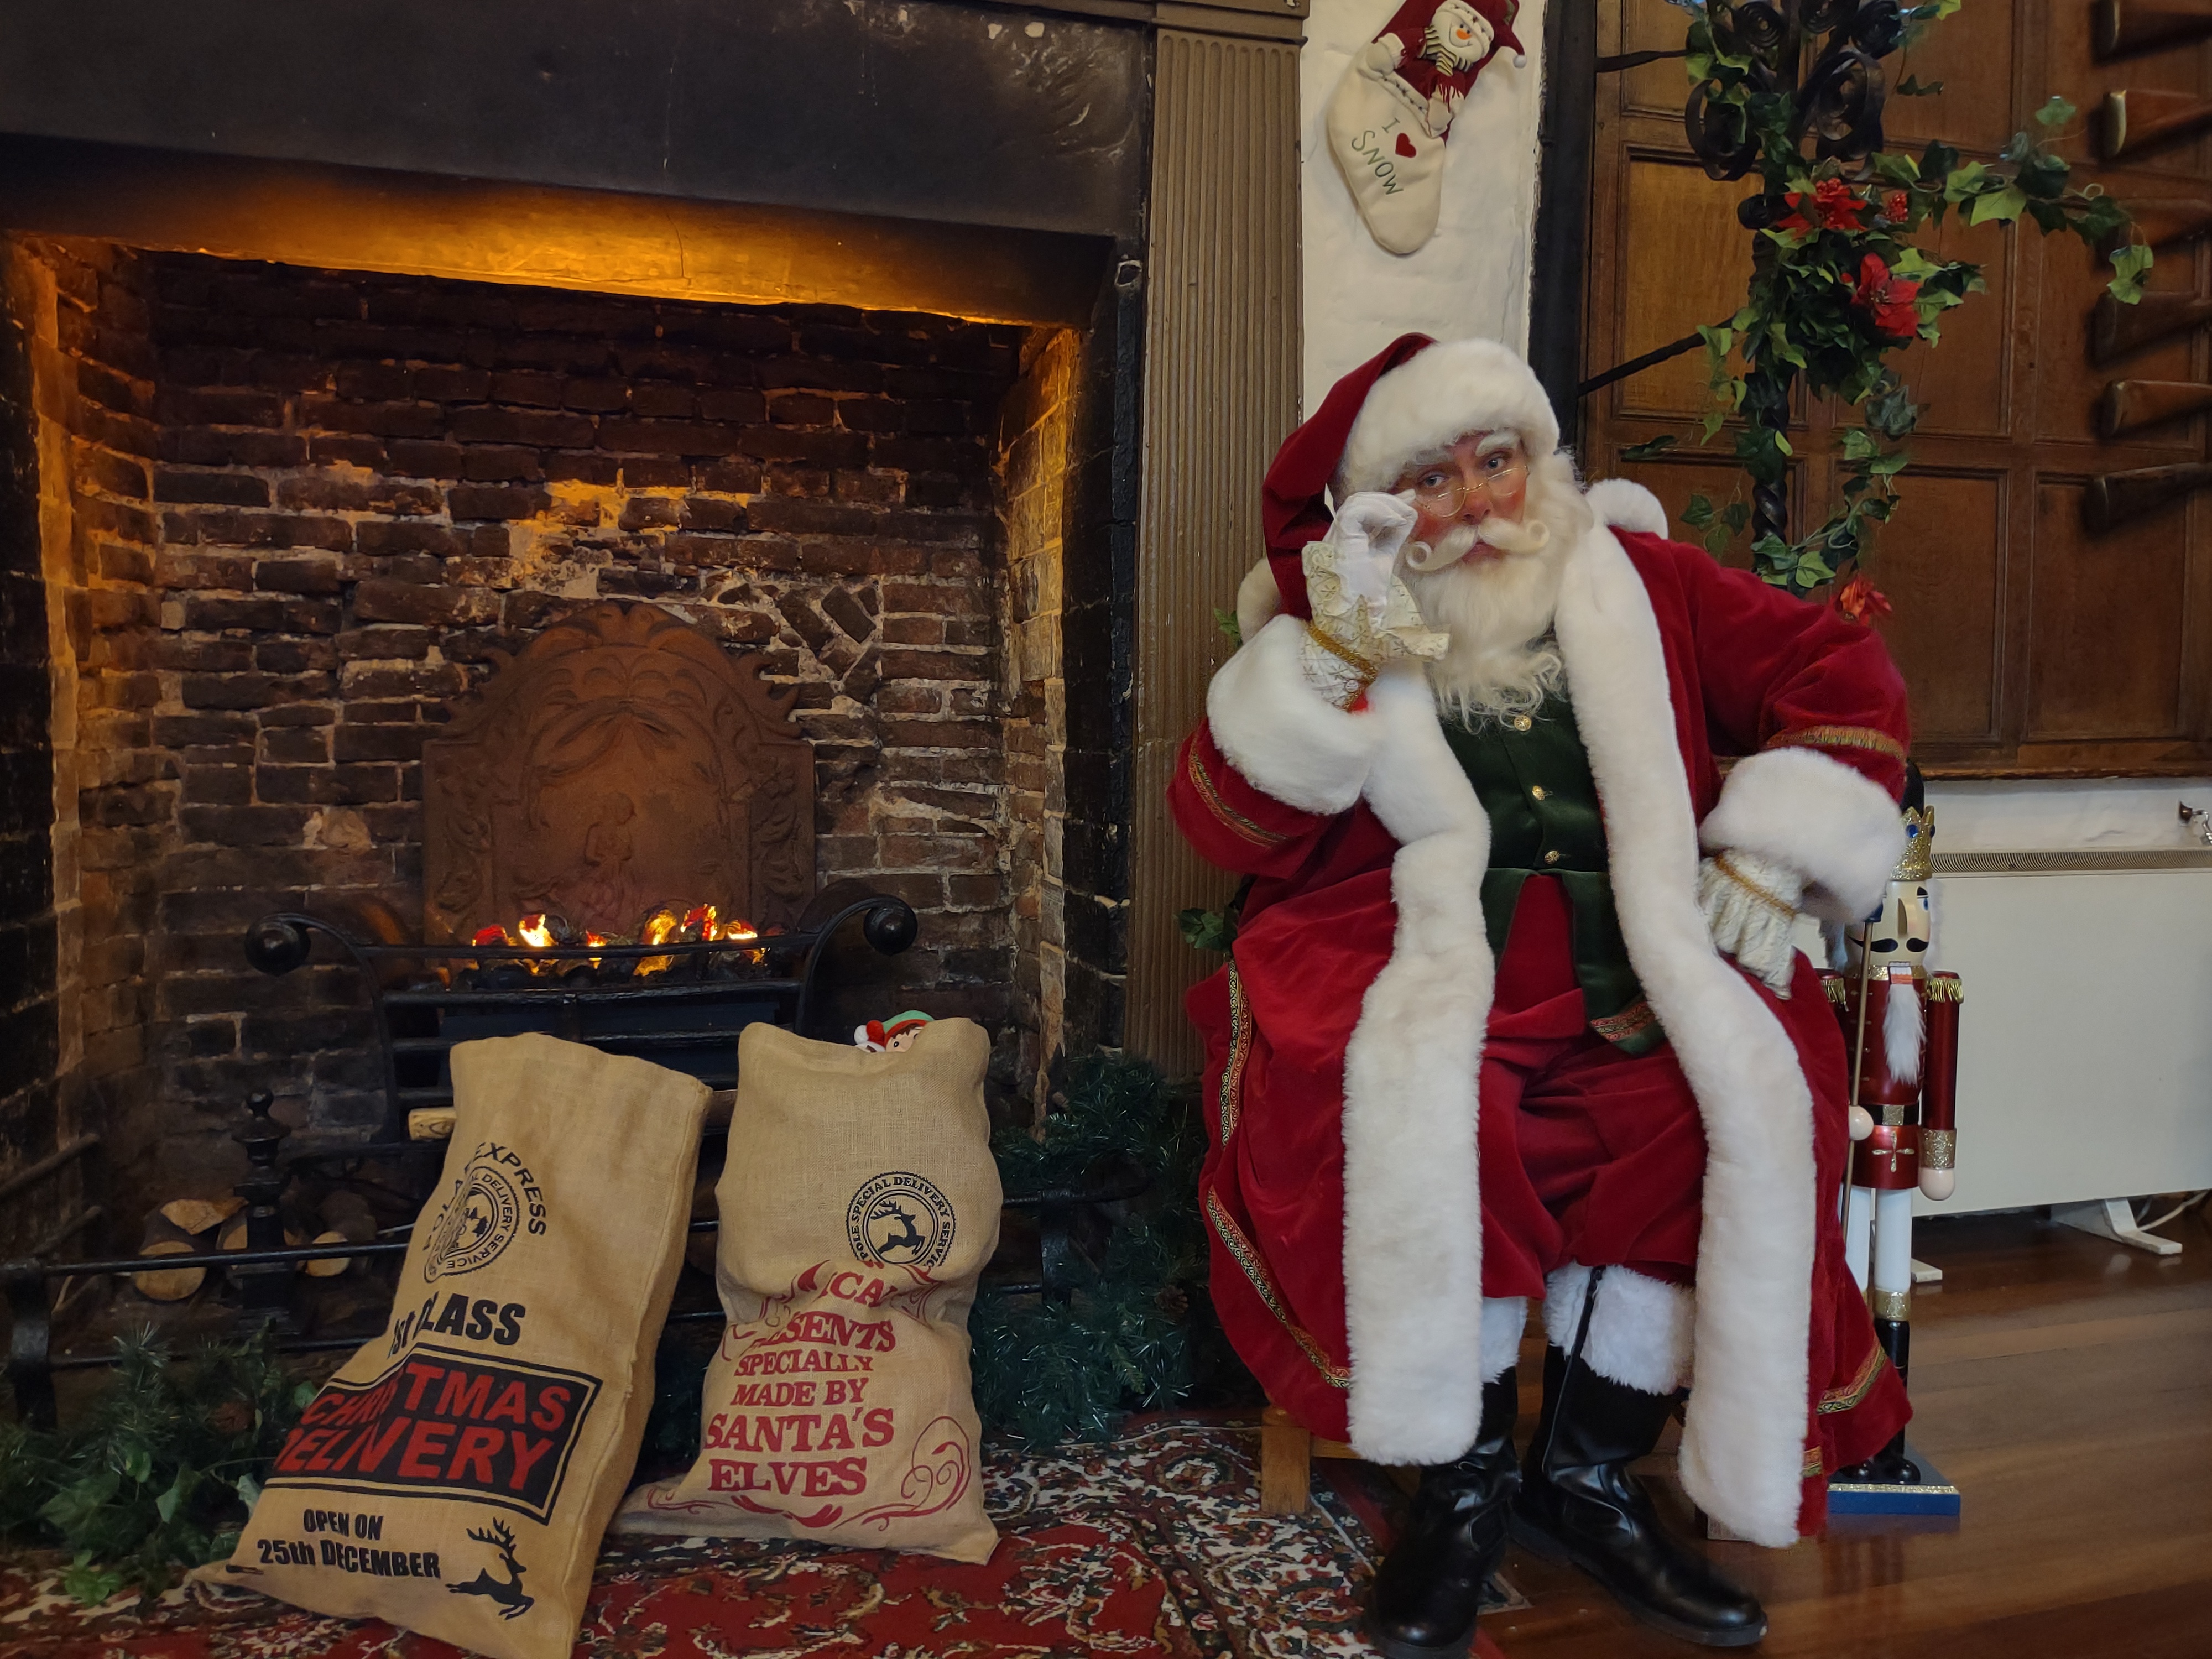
point(455, 1476)
point(859, 1203)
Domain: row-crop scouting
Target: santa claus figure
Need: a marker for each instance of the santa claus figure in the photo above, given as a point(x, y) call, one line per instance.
point(1514, 1010)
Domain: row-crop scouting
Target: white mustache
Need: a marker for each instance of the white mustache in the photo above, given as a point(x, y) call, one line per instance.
point(1532, 536)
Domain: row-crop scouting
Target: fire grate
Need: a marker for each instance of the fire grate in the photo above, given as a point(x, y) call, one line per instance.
point(679, 1004)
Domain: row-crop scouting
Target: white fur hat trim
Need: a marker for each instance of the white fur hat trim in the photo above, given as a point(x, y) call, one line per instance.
point(1453, 388)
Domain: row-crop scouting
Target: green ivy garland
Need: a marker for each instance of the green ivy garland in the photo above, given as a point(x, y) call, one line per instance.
point(1838, 284)
point(162, 1470)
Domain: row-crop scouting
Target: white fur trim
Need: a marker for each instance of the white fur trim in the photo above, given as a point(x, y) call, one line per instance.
point(1743, 1447)
point(1259, 601)
point(1504, 1319)
point(1453, 388)
point(1412, 1218)
point(1624, 504)
point(1833, 825)
point(1282, 734)
point(1640, 1335)
point(1903, 1028)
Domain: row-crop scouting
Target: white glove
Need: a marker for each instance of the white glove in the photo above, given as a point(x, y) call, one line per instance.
point(1751, 906)
point(1362, 614)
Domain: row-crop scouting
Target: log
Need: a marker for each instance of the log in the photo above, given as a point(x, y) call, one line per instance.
point(430, 1124)
point(2116, 497)
point(194, 1216)
point(347, 1219)
point(2116, 330)
point(174, 1284)
point(2130, 405)
point(2162, 219)
point(2144, 117)
point(233, 1236)
point(2120, 28)
point(329, 1266)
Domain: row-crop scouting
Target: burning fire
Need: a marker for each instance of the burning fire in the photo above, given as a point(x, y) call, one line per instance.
point(665, 924)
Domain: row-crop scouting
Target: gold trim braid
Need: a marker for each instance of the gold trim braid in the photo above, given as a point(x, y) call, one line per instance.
point(1939, 1149)
point(1771, 900)
point(1363, 669)
point(1203, 782)
point(1946, 988)
point(1632, 1021)
point(1838, 737)
point(1849, 1397)
point(1232, 1237)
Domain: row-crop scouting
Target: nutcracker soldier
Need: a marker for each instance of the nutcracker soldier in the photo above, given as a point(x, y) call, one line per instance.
point(1900, 1025)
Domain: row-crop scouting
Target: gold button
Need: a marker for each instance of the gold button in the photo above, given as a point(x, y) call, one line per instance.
point(1521, 722)
point(1537, 790)
point(1551, 858)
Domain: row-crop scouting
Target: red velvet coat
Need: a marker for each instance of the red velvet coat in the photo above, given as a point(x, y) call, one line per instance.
point(1342, 1041)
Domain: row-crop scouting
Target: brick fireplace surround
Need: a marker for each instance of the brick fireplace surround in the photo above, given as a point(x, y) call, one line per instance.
point(670, 311)
point(288, 515)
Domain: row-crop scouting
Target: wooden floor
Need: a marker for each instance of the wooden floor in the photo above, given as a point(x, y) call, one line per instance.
point(2064, 1385)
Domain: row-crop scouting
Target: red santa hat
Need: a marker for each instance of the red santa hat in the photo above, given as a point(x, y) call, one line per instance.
point(1412, 398)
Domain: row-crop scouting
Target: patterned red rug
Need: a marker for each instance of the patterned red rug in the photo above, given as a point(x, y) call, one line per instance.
point(1151, 1546)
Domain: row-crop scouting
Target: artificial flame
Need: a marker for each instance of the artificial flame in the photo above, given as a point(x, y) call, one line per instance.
point(665, 924)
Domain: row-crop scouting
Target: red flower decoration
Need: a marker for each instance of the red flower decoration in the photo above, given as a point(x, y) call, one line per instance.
point(1833, 206)
point(1896, 207)
point(1860, 600)
point(1888, 300)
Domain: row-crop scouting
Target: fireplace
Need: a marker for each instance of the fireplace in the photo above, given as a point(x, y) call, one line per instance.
point(334, 393)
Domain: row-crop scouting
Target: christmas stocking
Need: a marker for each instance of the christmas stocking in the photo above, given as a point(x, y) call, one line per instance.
point(1388, 116)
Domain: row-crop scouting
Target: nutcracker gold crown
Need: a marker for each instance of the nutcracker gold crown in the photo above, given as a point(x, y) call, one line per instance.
point(1919, 860)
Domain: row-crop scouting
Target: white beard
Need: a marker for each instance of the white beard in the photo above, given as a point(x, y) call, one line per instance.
point(1498, 609)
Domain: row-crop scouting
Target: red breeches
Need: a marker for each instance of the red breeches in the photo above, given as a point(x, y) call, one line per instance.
point(1588, 1154)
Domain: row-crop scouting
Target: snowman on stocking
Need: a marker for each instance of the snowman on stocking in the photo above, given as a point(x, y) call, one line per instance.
point(1389, 114)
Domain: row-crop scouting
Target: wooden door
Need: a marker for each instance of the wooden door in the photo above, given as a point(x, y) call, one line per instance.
point(2032, 645)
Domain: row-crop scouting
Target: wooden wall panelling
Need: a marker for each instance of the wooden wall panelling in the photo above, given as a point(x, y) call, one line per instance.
point(1221, 391)
point(1976, 54)
point(2108, 622)
point(1964, 380)
point(1675, 225)
point(1940, 560)
point(2027, 644)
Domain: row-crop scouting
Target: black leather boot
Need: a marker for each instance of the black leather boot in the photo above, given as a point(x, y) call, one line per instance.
point(1578, 1503)
point(1430, 1585)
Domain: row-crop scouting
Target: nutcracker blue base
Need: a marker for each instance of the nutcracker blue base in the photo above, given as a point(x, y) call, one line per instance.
point(1931, 1495)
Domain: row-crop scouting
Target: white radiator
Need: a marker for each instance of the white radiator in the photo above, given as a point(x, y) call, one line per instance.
point(2085, 1044)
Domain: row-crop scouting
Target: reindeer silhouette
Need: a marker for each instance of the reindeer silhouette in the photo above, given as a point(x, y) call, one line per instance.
point(906, 1238)
point(512, 1603)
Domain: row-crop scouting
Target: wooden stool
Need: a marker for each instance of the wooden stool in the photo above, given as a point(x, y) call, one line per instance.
point(1286, 1452)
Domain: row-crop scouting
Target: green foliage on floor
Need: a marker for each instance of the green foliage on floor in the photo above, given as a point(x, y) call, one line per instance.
point(1133, 1331)
point(160, 1473)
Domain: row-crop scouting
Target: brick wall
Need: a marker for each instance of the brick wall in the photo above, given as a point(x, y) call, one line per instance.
point(30, 1072)
point(1037, 426)
point(82, 308)
point(311, 507)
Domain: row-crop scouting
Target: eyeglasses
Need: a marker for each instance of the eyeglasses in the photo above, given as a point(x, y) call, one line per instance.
point(1441, 491)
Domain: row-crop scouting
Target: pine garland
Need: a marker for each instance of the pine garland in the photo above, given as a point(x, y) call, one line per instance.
point(163, 1471)
point(1135, 1332)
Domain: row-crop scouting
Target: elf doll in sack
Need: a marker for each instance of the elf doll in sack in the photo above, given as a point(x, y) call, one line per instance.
point(1514, 1010)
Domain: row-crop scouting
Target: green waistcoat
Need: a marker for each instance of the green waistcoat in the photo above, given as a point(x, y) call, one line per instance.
point(1533, 777)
